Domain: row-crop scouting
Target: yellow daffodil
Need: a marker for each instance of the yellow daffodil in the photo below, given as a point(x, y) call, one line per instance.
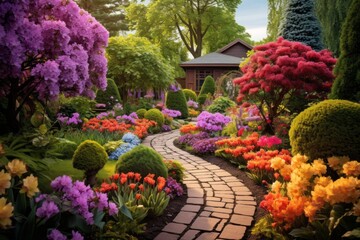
point(4, 181)
point(16, 167)
point(30, 186)
point(6, 212)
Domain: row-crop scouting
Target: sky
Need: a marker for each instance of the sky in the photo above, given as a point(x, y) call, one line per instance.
point(252, 14)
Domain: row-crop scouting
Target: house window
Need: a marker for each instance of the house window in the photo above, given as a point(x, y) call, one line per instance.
point(200, 78)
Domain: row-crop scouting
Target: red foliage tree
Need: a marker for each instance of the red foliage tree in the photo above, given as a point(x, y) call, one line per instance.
point(279, 69)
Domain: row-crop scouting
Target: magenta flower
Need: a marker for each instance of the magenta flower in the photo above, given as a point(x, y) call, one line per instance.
point(47, 209)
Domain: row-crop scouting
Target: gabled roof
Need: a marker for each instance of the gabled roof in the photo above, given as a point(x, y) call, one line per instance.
point(213, 59)
point(236, 41)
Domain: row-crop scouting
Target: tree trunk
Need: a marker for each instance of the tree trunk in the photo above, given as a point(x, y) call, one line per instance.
point(124, 94)
point(90, 177)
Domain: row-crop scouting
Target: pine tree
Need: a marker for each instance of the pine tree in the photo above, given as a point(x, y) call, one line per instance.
point(110, 13)
point(332, 15)
point(301, 25)
point(347, 71)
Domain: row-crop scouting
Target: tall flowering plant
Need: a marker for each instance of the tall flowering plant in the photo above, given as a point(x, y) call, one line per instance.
point(212, 122)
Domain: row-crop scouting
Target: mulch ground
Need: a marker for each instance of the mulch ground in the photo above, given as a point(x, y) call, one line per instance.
point(154, 226)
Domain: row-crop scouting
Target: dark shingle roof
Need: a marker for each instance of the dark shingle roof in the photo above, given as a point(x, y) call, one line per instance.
point(213, 59)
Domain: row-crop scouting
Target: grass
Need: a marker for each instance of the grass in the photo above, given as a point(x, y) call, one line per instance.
point(64, 167)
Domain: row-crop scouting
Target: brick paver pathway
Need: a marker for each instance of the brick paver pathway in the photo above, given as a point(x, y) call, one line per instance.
point(219, 206)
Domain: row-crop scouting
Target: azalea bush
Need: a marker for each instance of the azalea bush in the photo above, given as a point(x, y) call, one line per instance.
point(212, 123)
point(306, 202)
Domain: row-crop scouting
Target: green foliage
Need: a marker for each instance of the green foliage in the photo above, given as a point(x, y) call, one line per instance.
point(143, 160)
point(276, 12)
point(347, 70)
point(332, 15)
point(64, 148)
point(141, 112)
point(208, 86)
point(175, 170)
point(220, 105)
point(82, 105)
point(300, 24)
point(230, 129)
point(177, 101)
point(189, 94)
point(89, 156)
point(112, 146)
point(264, 229)
point(110, 95)
point(329, 128)
point(134, 63)
point(155, 115)
point(154, 200)
point(78, 136)
point(202, 98)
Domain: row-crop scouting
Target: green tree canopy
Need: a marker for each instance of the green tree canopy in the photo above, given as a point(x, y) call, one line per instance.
point(190, 21)
point(110, 13)
point(300, 24)
point(276, 10)
point(135, 63)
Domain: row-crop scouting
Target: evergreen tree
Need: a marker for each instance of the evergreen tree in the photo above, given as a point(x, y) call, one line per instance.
point(110, 13)
point(301, 25)
point(347, 71)
point(332, 15)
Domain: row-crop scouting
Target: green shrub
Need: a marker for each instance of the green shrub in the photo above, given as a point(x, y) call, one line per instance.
point(143, 160)
point(329, 128)
point(230, 129)
point(201, 99)
point(111, 94)
point(177, 101)
point(141, 112)
point(220, 105)
point(208, 86)
point(82, 105)
point(155, 115)
point(112, 146)
point(175, 170)
point(78, 136)
point(65, 148)
point(89, 156)
point(189, 94)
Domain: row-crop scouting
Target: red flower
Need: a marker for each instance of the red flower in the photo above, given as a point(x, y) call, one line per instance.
point(138, 196)
point(141, 188)
point(132, 186)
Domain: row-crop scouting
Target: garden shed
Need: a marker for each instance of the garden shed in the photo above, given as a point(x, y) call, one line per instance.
point(214, 64)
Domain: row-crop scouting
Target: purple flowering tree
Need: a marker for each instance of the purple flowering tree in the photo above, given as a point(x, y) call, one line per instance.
point(48, 48)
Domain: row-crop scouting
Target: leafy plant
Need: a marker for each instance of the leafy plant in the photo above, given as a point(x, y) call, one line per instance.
point(220, 105)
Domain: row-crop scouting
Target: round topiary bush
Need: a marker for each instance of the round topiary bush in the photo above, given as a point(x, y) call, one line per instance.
point(189, 94)
point(329, 128)
point(141, 112)
point(208, 86)
point(143, 160)
point(89, 156)
point(110, 91)
point(220, 105)
point(177, 101)
point(155, 115)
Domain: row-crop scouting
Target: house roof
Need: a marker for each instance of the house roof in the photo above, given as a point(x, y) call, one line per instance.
point(236, 41)
point(213, 59)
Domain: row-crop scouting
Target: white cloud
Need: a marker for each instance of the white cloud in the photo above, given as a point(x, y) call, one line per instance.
point(257, 33)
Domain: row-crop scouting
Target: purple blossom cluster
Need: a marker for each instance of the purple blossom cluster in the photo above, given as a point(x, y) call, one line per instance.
point(171, 113)
point(212, 122)
point(128, 118)
point(190, 139)
point(174, 87)
point(57, 235)
point(64, 44)
point(65, 120)
point(108, 114)
point(192, 104)
point(206, 146)
point(166, 128)
point(173, 188)
point(80, 197)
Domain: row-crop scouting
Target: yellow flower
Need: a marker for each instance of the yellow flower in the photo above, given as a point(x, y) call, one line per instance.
point(16, 167)
point(322, 181)
point(336, 162)
point(276, 187)
point(4, 181)
point(344, 190)
point(297, 160)
point(319, 195)
point(30, 186)
point(6, 212)
point(277, 163)
point(286, 172)
point(319, 167)
point(351, 168)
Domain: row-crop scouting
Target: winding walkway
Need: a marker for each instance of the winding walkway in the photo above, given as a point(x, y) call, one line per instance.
point(219, 206)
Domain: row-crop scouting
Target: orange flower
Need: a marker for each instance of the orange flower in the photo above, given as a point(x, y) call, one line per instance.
point(123, 180)
point(141, 188)
point(137, 177)
point(6, 212)
point(161, 182)
point(115, 177)
point(30, 186)
point(130, 175)
point(138, 196)
point(4, 181)
point(132, 186)
point(16, 167)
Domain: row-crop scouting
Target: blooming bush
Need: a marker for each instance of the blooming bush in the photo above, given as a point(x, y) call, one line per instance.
point(171, 113)
point(206, 146)
point(173, 188)
point(73, 121)
point(131, 118)
point(191, 139)
point(130, 141)
point(192, 104)
point(269, 142)
point(212, 123)
point(189, 128)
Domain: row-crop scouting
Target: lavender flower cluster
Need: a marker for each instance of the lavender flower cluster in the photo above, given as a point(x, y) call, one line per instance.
point(206, 146)
point(65, 120)
point(57, 235)
point(191, 139)
point(80, 197)
point(174, 87)
point(212, 122)
point(104, 115)
point(192, 104)
point(128, 118)
point(173, 188)
point(166, 128)
point(130, 141)
point(171, 113)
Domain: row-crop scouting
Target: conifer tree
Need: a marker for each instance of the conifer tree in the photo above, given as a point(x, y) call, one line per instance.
point(301, 24)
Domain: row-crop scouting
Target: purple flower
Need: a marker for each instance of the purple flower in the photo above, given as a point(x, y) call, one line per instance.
point(171, 113)
point(47, 209)
point(76, 236)
point(166, 128)
point(56, 235)
point(113, 209)
point(192, 138)
point(174, 87)
point(102, 201)
point(100, 105)
point(173, 188)
point(61, 183)
point(212, 122)
point(192, 104)
point(206, 146)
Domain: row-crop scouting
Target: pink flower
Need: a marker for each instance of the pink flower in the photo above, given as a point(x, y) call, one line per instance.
point(265, 141)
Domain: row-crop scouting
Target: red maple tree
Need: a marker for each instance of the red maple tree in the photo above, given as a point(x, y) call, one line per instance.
point(276, 70)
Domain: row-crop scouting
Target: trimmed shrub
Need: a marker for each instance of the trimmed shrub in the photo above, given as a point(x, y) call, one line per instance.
point(177, 101)
point(155, 115)
point(65, 148)
point(220, 105)
point(329, 128)
point(208, 86)
point(201, 99)
point(143, 160)
point(141, 112)
point(189, 94)
point(175, 170)
point(110, 91)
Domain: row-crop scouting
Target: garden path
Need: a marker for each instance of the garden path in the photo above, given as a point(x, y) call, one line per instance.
point(219, 205)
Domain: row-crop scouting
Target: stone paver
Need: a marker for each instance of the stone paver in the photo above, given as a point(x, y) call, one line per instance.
point(218, 205)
